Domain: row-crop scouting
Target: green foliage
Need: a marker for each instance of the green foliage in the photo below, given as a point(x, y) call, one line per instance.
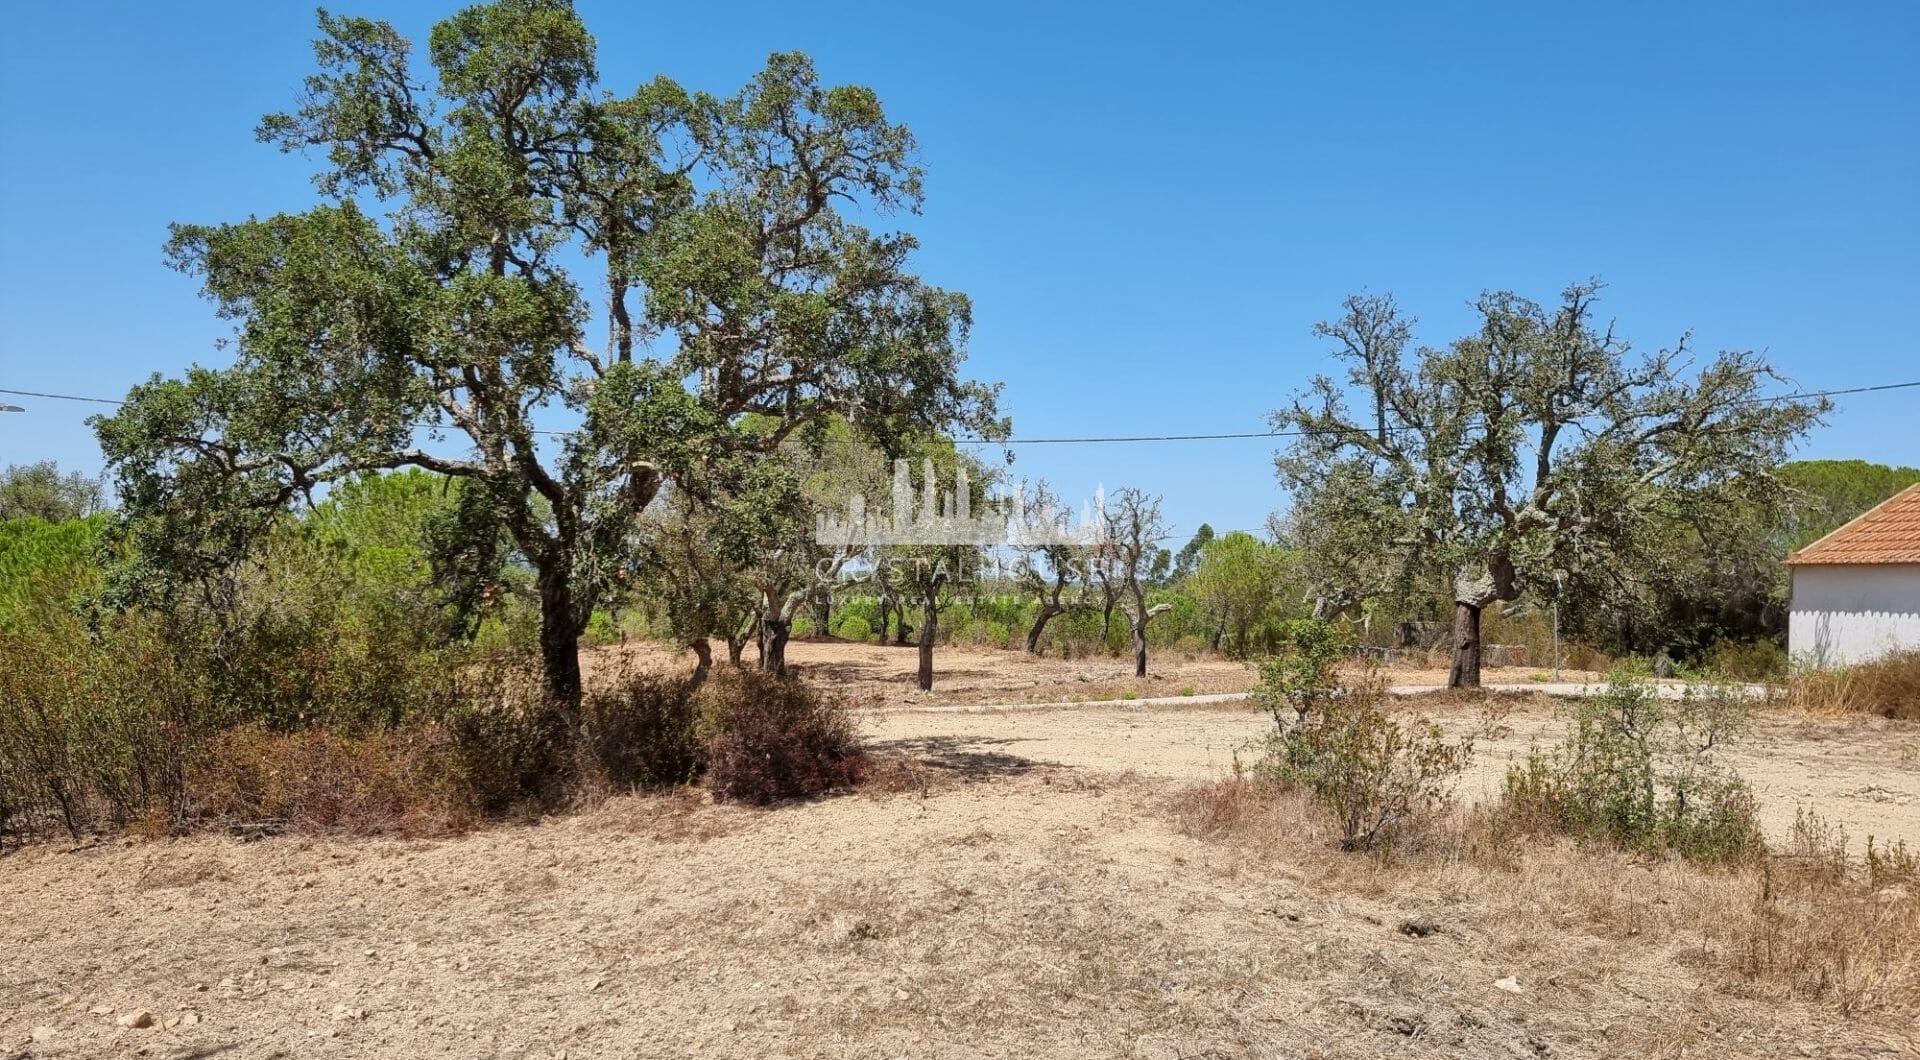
point(1533, 452)
point(1758, 660)
point(1238, 581)
point(40, 491)
point(97, 731)
point(1375, 773)
point(1302, 676)
point(46, 568)
point(1833, 493)
point(854, 628)
point(434, 286)
point(421, 543)
point(1646, 773)
point(1187, 560)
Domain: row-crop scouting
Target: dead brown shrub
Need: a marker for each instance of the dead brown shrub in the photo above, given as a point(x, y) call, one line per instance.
point(393, 781)
point(768, 738)
point(638, 731)
point(895, 774)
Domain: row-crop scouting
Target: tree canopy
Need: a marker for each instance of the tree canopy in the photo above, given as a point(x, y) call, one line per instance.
point(1537, 451)
point(40, 491)
point(433, 310)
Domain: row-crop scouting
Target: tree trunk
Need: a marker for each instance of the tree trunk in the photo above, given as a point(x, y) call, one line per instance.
point(823, 614)
point(929, 623)
point(560, 628)
point(1466, 647)
point(736, 647)
point(1047, 613)
point(1106, 625)
point(773, 643)
point(703, 656)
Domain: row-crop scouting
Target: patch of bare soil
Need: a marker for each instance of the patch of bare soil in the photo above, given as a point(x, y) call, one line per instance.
point(1861, 773)
point(872, 675)
point(1026, 893)
point(1023, 910)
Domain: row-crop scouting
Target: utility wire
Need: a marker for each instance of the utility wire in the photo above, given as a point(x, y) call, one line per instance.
point(1368, 430)
point(1144, 437)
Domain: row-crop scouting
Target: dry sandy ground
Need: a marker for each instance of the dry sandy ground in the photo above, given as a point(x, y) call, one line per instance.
point(1860, 773)
point(871, 675)
point(1035, 900)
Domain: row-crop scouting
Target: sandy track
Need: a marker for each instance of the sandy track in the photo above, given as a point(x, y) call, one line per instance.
point(1860, 773)
point(871, 675)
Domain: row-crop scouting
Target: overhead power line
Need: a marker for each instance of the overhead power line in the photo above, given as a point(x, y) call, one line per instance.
point(1802, 395)
point(62, 397)
point(1305, 434)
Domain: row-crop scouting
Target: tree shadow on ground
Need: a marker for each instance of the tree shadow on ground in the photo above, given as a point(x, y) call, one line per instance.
point(859, 671)
point(964, 757)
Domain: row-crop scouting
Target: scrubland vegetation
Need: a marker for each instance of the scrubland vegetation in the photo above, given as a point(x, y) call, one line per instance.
point(296, 616)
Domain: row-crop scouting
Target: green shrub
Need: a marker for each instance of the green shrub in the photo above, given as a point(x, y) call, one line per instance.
point(46, 567)
point(1376, 774)
point(1759, 660)
point(855, 628)
point(767, 738)
point(1302, 674)
point(1645, 773)
point(601, 629)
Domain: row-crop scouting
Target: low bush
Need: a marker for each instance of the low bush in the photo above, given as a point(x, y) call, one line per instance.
point(1758, 660)
point(1644, 772)
point(510, 745)
point(1303, 672)
point(1888, 686)
point(406, 781)
point(767, 738)
point(855, 628)
point(95, 731)
point(638, 731)
point(1376, 774)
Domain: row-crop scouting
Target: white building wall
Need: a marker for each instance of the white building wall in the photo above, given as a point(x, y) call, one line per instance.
point(1850, 613)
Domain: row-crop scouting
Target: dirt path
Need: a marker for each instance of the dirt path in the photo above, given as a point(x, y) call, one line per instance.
point(1863, 774)
point(871, 675)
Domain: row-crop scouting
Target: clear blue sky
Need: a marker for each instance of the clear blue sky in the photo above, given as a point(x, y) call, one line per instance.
point(1149, 205)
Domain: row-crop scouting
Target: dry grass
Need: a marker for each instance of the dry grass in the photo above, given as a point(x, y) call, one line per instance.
point(1810, 923)
point(1888, 687)
point(1048, 913)
point(390, 782)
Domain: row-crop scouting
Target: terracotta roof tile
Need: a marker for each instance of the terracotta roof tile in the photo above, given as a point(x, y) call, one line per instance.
point(1889, 533)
